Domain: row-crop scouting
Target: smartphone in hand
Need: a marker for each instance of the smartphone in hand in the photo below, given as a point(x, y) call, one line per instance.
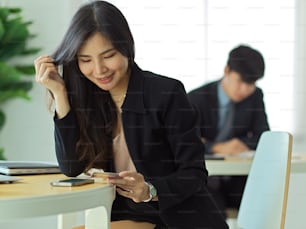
point(107, 175)
point(72, 182)
point(100, 173)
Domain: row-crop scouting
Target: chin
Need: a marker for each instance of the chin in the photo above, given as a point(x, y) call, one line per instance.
point(237, 100)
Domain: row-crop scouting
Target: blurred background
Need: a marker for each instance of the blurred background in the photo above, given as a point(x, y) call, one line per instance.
point(186, 40)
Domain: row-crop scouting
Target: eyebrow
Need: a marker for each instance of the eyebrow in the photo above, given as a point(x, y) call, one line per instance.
point(102, 53)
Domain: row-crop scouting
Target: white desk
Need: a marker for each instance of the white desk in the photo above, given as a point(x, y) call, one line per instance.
point(238, 166)
point(34, 197)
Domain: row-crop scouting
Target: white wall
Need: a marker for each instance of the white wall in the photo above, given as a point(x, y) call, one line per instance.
point(300, 70)
point(169, 37)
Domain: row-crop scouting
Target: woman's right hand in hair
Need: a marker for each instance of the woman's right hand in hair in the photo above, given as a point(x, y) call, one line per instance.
point(48, 76)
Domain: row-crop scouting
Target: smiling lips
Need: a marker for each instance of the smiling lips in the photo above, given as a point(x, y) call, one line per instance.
point(105, 80)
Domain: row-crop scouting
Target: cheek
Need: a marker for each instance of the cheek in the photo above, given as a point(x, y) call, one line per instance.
point(120, 64)
point(124, 67)
point(234, 87)
point(86, 69)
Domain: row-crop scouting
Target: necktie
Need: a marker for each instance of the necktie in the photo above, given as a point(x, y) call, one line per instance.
point(225, 130)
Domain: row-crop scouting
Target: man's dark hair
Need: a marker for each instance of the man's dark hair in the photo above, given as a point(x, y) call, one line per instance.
point(248, 62)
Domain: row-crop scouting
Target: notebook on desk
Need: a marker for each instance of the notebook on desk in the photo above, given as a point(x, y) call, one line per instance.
point(27, 167)
point(214, 157)
point(242, 155)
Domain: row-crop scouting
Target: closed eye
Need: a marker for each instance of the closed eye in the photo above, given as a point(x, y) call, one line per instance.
point(109, 55)
point(84, 60)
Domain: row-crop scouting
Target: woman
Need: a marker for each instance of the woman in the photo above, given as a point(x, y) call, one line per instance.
point(111, 115)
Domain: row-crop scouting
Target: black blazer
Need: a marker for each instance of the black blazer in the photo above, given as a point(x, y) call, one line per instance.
point(250, 118)
point(160, 130)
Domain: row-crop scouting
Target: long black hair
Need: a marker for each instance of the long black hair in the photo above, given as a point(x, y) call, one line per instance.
point(95, 110)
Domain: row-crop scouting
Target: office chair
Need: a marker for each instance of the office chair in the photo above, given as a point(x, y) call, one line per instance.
point(264, 200)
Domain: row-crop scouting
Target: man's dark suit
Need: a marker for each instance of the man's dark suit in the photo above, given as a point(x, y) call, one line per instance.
point(250, 120)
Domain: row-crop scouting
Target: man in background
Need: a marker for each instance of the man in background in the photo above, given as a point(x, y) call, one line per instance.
point(232, 117)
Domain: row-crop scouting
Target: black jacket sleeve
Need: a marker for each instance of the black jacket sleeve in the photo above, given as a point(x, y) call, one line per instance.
point(66, 134)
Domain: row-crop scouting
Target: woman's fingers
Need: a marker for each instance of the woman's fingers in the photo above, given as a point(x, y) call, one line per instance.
point(44, 66)
point(135, 194)
point(40, 60)
point(128, 179)
point(125, 192)
point(47, 74)
point(131, 185)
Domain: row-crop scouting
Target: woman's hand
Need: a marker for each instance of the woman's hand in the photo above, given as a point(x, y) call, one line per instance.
point(48, 76)
point(131, 185)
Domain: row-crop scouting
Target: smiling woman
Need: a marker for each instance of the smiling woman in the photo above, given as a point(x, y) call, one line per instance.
point(106, 67)
point(112, 115)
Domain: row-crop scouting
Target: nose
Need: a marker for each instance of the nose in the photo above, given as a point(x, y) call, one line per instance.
point(100, 67)
point(246, 89)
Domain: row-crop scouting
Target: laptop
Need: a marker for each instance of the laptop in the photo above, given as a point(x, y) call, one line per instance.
point(8, 179)
point(27, 168)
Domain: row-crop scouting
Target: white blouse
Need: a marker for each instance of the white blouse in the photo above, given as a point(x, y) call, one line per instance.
point(122, 157)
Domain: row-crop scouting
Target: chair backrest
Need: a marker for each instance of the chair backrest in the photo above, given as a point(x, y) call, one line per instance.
point(264, 200)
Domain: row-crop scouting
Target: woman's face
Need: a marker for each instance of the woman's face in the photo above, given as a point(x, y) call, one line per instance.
point(103, 65)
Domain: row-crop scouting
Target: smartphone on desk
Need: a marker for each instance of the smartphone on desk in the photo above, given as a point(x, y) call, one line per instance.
point(71, 182)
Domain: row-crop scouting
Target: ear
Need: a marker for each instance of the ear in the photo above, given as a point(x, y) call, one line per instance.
point(226, 70)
